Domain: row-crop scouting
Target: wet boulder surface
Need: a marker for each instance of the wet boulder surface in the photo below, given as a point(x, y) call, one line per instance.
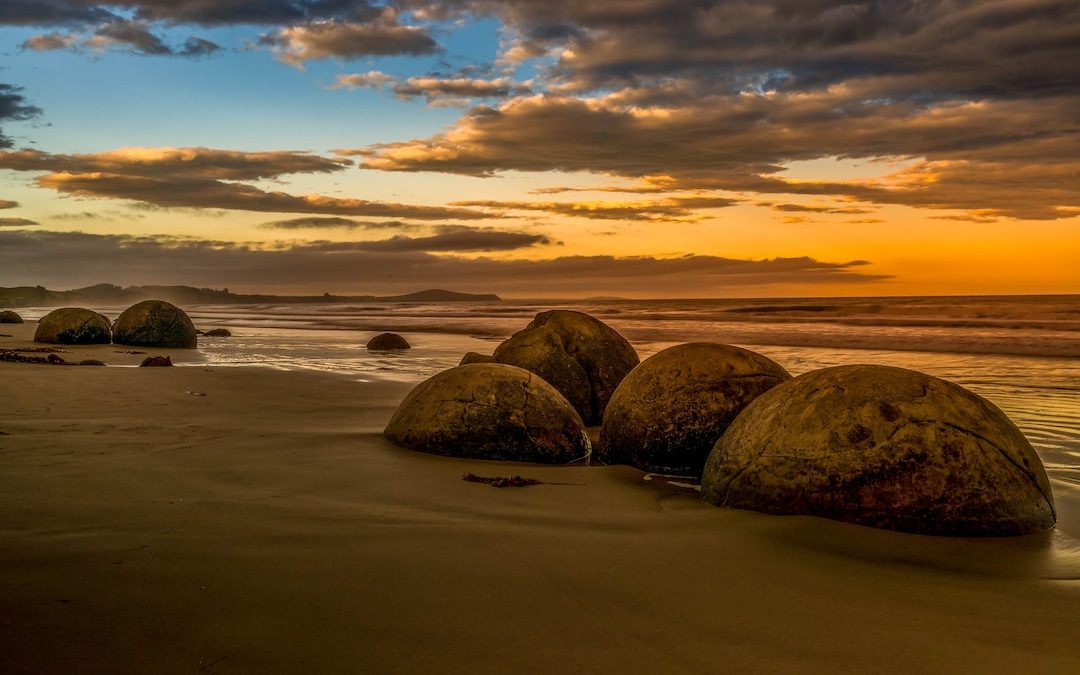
point(8, 316)
point(582, 357)
point(384, 342)
point(155, 323)
point(667, 414)
point(475, 357)
point(884, 447)
point(73, 326)
point(490, 411)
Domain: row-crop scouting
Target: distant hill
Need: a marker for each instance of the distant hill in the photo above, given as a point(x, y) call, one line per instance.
point(108, 294)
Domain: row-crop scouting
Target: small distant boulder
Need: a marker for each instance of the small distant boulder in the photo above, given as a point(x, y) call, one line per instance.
point(582, 357)
point(218, 332)
point(490, 411)
point(476, 357)
point(387, 342)
point(667, 414)
point(8, 316)
point(155, 323)
point(73, 326)
point(156, 362)
point(884, 447)
point(91, 362)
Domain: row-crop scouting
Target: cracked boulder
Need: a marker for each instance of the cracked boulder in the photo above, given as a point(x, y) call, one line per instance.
point(582, 357)
point(884, 447)
point(73, 326)
point(490, 411)
point(667, 414)
point(155, 323)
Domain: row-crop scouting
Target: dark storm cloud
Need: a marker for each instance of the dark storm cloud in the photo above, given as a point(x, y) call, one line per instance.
point(13, 106)
point(67, 259)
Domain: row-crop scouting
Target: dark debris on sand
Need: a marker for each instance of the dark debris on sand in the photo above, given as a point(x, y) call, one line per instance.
point(501, 481)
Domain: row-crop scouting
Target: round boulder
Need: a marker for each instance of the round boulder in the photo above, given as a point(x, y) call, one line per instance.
point(218, 332)
point(73, 326)
point(384, 342)
point(8, 316)
point(667, 414)
point(884, 447)
point(582, 357)
point(156, 362)
point(490, 411)
point(155, 323)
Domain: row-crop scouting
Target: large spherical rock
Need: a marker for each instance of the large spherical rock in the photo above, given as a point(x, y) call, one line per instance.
point(490, 411)
point(73, 326)
point(155, 323)
point(884, 447)
point(8, 316)
point(582, 357)
point(667, 414)
point(387, 342)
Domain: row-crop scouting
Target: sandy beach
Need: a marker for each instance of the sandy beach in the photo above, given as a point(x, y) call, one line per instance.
point(244, 520)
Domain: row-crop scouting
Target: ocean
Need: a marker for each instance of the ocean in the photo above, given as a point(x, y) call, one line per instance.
point(1022, 353)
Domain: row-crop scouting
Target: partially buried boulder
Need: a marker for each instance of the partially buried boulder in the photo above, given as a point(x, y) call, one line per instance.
point(73, 326)
point(218, 332)
point(582, 357)
point(490, 411)
point(156, 362)
point(475, 357)
point(8, 316)
point(155, 323)
point(667, 414)
point(384, 342)
point(884, 447)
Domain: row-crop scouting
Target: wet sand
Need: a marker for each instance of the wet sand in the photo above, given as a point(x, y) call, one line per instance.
point(266, 526)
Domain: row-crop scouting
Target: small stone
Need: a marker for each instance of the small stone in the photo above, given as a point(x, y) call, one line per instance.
point(156, 362)
point(91, 362)
point(387, 342)
point(218, 332)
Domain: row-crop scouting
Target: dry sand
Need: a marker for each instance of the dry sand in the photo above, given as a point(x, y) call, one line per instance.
point(267, 526)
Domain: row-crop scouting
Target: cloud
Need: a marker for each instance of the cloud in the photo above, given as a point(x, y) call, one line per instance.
point(176, 162)
point(331, 39)
point(803, 208)
point(456, 239)
point(667, 210)
point(316, 222)
point(69, 259)
point(1016, 157)
point(373, 79)
point(134, 37)
point(13, 106)
point(202, 12)
point(437, 91)
point(203, 178)
point(16, 222)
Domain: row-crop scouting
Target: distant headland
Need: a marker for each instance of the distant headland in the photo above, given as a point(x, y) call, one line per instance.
point(107, 294)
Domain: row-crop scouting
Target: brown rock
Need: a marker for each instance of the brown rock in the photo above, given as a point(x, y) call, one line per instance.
point(8, 316)
point(884, 447)
point(218, 332)
point(387, 342)
point(73, 326)
point(91, 362)
point(476, 357)
point(582, 357)
point(156, 362)
point(490, 411)
point(155, 323)
point(667, 414)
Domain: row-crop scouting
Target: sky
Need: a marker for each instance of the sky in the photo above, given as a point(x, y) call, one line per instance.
point(543, 148)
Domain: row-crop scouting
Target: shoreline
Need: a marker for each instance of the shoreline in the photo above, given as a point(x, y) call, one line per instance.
point(268, 525)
